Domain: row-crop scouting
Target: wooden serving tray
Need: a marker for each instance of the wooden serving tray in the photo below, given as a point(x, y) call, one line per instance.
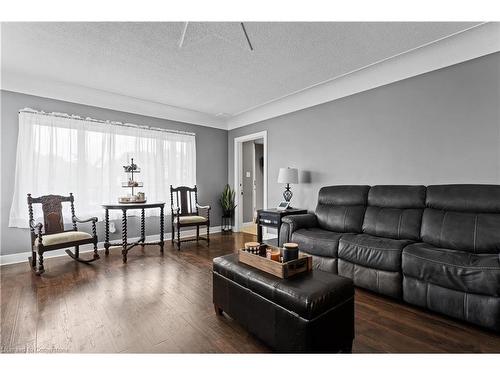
point(281, 270)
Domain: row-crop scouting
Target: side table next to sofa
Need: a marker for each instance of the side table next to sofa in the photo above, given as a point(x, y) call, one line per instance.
point(272, 217)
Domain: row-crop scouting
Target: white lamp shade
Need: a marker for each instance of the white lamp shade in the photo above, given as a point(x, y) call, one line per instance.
point(288, 176)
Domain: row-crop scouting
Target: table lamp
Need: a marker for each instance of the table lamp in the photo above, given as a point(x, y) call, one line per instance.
point(288, 176)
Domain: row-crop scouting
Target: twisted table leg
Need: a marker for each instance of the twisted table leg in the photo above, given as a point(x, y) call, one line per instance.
point(124, 235)
point(208, 234)
point(94, 234)
point(143, 227)
point(162, 219)
point(106, 231)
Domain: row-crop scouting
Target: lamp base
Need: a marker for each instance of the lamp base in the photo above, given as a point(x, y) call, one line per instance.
point(287, 194)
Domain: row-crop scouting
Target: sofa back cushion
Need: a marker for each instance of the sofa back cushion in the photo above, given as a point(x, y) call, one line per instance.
point(463, 217)
point(395, 211)
point(342, 208)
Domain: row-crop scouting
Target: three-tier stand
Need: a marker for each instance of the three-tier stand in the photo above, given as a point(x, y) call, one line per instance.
point(131, 170)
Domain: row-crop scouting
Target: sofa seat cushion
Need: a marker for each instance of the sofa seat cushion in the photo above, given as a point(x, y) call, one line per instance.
point(64, 237)
point(453, 269)
point(191, 219)
point(373, 252)
point(317, 241)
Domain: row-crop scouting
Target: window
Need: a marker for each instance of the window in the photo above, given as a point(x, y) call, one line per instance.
point(59, 154)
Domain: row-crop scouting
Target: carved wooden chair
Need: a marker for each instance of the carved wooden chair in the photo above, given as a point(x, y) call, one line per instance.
point(186, 212)
point(51, 234)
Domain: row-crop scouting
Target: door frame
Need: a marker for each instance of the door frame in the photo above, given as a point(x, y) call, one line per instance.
point(238, 174)
point(254, 186)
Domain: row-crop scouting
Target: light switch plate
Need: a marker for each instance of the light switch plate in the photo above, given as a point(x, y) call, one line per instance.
point(248, 174)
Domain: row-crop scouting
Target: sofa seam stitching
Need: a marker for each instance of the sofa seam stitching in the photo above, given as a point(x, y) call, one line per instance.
point(369, 266)
point(451, 264)
point(315, 238)
point(369, 247)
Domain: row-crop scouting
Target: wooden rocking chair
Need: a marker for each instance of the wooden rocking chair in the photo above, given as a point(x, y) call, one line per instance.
point(186, 212)
point(52, 236)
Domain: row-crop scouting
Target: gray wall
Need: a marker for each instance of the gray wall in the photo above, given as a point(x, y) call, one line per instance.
point(211, 163)
point(439, 127)
point(247, 164)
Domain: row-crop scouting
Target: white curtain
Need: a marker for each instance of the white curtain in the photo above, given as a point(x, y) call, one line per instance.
point(59, 154)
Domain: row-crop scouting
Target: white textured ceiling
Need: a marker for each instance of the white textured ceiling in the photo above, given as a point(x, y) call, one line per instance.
point(214, 71)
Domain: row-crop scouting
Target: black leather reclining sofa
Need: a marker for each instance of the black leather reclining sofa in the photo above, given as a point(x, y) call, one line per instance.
point(436, 247)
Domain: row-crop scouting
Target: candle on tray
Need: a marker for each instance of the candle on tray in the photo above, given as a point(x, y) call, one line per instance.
point(275, 255)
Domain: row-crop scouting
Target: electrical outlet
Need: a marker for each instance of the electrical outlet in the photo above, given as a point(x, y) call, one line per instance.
point(112, 228)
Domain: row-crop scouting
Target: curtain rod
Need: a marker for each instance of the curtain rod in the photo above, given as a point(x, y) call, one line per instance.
point(117, 123)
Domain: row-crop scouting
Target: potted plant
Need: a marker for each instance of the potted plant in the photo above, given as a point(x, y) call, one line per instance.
point(227, 202)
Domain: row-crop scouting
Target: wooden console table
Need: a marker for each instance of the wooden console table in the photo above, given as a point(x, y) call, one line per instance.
point(124, 207)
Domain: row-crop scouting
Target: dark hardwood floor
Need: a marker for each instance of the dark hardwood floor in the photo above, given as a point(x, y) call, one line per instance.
point(163, 304)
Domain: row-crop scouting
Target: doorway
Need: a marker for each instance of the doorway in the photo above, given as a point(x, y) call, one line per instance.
point(252, 192)
point(250, 180)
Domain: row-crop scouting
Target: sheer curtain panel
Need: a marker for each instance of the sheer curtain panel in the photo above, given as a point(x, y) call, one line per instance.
point(59, 154)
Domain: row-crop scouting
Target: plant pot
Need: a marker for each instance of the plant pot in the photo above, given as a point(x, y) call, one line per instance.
point(227, 222)
point(227, 213)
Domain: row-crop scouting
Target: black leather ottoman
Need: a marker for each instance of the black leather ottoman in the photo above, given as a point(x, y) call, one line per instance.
point(310, 313)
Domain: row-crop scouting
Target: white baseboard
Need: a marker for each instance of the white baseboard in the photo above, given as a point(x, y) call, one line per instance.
point(22, 257)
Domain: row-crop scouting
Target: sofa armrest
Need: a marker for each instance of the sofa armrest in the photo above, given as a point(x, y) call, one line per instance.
point(297, 222)
point(292, 223)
